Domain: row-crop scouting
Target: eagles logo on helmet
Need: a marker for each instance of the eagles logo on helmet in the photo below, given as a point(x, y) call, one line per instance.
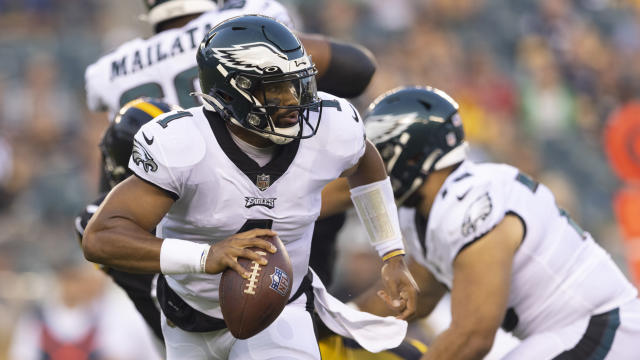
point(417, 130)
point(241, 60)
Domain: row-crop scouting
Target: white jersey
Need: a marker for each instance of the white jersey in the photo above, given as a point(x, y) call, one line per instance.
point(163, 66)
point(559, 273)
point(220, 191)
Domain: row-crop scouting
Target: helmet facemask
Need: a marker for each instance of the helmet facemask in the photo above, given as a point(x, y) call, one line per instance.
point(281, 104)
point(258, 102)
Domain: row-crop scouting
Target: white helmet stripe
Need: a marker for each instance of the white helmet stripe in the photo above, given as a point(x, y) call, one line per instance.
point(176, 8)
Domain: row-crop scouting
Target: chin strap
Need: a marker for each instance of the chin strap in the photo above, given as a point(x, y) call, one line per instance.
point(211, 103)
point(281, 140)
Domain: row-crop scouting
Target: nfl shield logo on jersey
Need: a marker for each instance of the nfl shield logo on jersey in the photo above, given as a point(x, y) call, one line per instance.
point(279, 281)
point(263, 181)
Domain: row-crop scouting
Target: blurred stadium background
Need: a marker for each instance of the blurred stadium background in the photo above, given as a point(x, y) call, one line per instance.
point(536, 81)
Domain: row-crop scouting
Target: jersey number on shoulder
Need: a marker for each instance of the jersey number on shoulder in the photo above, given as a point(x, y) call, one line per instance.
point(532, 185)
point(164, 122)
point(183, 84)
point(328, 104)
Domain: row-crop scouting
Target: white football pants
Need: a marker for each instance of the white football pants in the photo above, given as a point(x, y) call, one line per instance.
point(290, 337)
point(585, 340)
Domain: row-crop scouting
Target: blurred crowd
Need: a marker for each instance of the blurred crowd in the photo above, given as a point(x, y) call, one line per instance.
point(536, 81)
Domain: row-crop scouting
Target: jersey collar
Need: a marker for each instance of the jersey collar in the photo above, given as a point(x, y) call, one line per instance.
point(263, 176)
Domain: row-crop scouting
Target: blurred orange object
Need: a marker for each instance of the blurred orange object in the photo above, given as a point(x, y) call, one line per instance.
point(622, 142)
point(626, 205)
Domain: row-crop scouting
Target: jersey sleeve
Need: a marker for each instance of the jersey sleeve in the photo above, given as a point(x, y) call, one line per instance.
point(340, 138)
point(94, 82)
point(164, 152)
point(351, 131)
point(471, 211)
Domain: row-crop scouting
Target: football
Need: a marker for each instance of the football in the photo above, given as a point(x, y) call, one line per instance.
point(250, 305)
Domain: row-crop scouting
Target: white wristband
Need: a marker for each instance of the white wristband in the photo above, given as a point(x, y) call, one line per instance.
point(183, 256)
point(377, 210)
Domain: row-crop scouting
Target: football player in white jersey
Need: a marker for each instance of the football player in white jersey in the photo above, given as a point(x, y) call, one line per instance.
point(163, 66)
point(253, 157)
point(496, 240)
point(116, 146)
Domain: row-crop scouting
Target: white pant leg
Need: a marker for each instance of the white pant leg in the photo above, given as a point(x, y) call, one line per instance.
point(290, 337)
point(184, 345)
point(547, 345)
point(626, 342)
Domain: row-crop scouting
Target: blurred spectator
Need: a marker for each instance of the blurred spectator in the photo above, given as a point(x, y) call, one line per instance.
point(6, 173)
point(547, 101)
point(79, 320)
point(553, 21)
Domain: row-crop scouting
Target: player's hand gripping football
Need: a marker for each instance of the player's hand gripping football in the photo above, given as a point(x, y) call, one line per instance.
point(401, 290)
point(224, 254)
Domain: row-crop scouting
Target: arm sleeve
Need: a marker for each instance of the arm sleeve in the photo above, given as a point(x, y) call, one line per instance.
point(350, 70)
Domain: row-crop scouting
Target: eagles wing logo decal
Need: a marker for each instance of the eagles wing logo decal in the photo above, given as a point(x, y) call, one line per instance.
point(258, 57)
point(141, 156)
point(381, 128)
point(479, 210)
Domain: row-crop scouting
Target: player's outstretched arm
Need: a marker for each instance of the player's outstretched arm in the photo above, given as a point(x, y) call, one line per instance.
point(344, 69)
point(119, 235)
point(373, 199)
point(481, 277)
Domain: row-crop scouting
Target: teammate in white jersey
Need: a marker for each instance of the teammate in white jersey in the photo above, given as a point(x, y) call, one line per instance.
point(164, 65)
point(254, 156)
point(496, 240)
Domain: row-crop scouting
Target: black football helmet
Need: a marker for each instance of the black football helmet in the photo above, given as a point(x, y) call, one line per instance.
point(417, 130)
point(162, 10)
point(243, 60)
point(117, 141)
